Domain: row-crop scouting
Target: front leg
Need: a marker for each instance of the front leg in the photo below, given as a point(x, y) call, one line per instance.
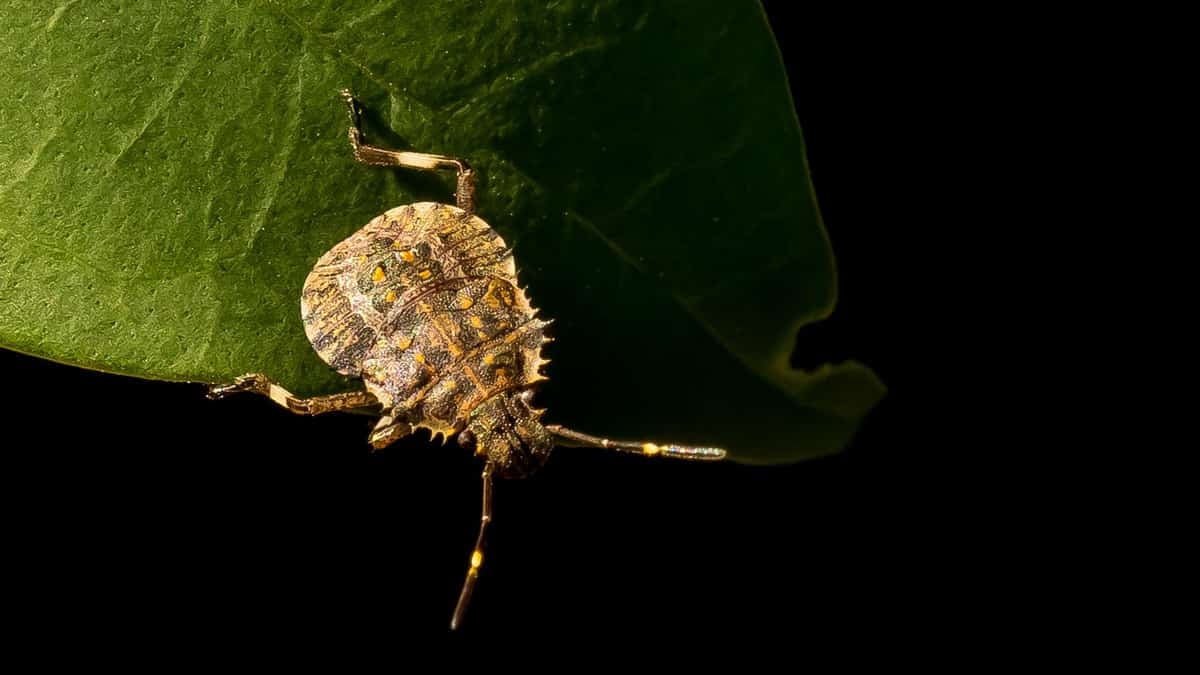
point(256, 383)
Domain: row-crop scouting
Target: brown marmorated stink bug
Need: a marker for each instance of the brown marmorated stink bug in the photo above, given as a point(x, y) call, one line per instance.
point(423, 305)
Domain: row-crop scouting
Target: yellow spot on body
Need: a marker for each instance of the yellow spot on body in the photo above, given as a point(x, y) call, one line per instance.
point(404, 342)
point(408, 256)
point(378, 275)
point(489, 359)
point(465, 302)
point(425, 274)
point(455, 351)
point(362, 259)
point(476, 559)
point(650, 449)
point(391, 296)
point(490, 297)
point(450, 384)
point(476, 322)
point(419, 357)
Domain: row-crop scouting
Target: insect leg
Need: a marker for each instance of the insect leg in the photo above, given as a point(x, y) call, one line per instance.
point(572, 438)
point(476, 555)
point(370, 154)
point(255, 383)
point(387, 431)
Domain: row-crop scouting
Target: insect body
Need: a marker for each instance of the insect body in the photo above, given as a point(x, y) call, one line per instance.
point(423, 305)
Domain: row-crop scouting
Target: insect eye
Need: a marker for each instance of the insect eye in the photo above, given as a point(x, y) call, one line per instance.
point(466, 439)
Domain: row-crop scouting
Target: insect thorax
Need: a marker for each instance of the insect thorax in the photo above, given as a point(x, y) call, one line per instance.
point(508, 431)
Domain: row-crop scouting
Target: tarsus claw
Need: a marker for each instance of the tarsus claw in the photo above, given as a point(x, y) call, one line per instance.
point(243, 383)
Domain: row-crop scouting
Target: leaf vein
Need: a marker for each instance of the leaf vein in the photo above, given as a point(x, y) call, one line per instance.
point(507, 81)
point(379, 9)
point(323, 42)
point(34, 160)
point(187, 66)
point(283, 158)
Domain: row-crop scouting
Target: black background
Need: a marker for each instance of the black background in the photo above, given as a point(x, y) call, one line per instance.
point(143, 515)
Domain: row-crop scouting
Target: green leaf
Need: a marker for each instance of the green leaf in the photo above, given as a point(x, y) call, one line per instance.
point(168, 177)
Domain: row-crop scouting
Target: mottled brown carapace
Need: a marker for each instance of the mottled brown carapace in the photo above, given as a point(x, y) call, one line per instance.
point(423, 305)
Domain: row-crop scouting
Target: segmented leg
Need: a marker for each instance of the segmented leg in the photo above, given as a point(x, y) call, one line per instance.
point(388, 431)
point(572, 438)
point(370, 154)
point(477, 554)
point(255, 383)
